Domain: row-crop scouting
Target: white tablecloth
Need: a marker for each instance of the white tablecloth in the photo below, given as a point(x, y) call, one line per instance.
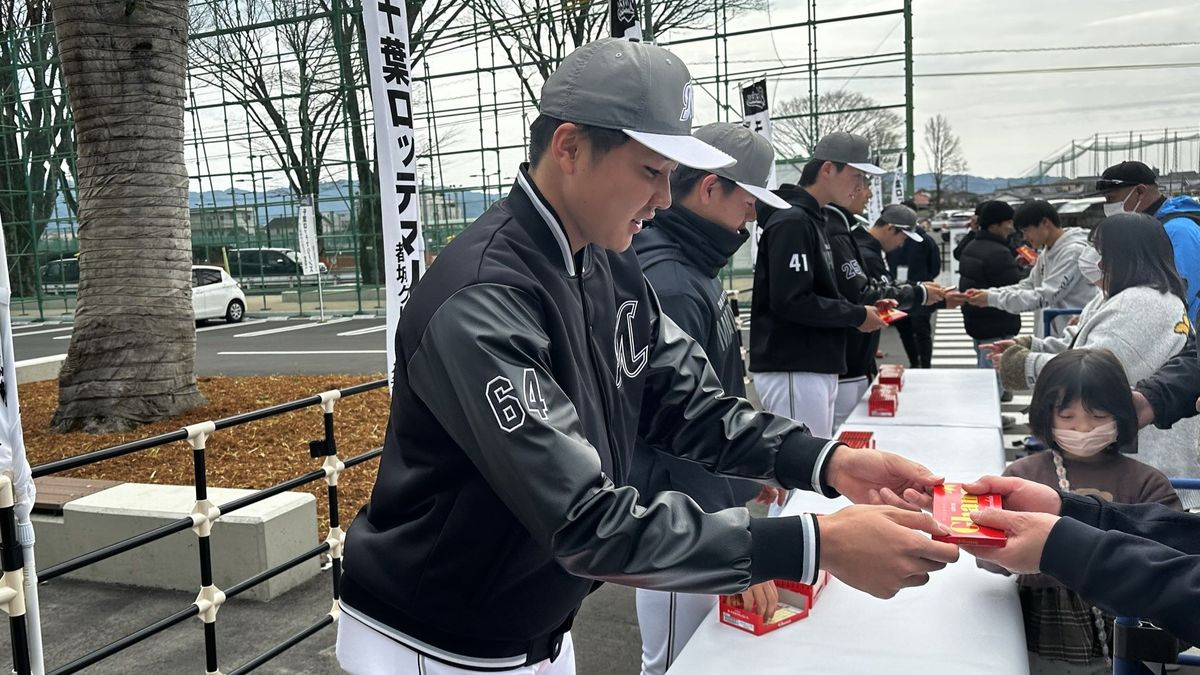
point(965, 620)
point(952, 397)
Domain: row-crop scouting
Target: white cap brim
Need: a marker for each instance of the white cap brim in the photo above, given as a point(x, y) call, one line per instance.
point(687, 150)
point(765, 196)
point(910, 234)
point(869, 169)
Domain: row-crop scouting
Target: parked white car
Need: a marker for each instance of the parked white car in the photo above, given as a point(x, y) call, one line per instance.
point(216, 295)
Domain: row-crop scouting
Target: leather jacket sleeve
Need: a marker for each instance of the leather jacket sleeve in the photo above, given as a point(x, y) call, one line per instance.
point(483, 367)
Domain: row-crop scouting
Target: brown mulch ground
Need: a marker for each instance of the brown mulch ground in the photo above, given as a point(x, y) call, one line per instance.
point(254, 455)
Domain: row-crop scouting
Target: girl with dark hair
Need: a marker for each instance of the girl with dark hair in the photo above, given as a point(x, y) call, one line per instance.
point(1082, 408)
point(1140, 316)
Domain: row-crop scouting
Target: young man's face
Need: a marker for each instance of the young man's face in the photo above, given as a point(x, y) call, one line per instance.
point(849, 182)
point(1037, 236)
point(608, 198)
point(893, 239)
point(858, 200)
point(731, 209)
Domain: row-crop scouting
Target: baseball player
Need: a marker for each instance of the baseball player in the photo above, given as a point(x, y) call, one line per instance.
point(530, 359)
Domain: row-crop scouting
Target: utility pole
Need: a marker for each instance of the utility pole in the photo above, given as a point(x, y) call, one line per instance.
point(908, 99)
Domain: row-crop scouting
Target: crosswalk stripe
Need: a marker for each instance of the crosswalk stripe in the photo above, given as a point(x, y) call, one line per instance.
point(241, 324)
point(288, 329)
point(363, 331)
point(42, 332)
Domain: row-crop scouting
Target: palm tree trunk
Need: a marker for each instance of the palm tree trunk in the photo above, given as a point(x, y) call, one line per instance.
point(132, 355)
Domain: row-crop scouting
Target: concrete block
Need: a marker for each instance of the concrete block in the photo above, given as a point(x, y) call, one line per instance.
point(244, 543)
point(39, 369)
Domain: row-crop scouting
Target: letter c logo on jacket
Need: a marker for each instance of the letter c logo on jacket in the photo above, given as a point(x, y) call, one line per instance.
point(629, 362)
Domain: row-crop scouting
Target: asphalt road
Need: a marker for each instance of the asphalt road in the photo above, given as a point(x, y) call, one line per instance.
point(343, 345)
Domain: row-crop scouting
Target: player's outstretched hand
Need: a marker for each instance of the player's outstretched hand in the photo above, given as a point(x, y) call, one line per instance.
point(880, 549)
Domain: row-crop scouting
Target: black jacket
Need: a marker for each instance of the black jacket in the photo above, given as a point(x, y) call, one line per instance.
point(682, 255)
point(523, 376)
point(1139, 560)
point(962, 244)
point(1174, 388)
point(987, 262)
point(924, 258)
point(915, 262)
point(863, 280)
point(798, 316)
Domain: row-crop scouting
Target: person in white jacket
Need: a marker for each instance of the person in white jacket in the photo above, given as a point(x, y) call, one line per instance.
point(1140, 316)
point(1055, 281)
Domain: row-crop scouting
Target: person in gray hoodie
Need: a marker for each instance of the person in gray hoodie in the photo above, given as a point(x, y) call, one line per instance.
point(1140, 316)
point(1055, 281)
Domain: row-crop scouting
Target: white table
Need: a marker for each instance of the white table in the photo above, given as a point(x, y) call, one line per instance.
point(965, 620)
point(946, 397)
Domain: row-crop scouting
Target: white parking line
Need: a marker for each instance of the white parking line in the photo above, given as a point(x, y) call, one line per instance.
point(310, 324)
point(230, 325)
point(307, 353)
point(62, 337)
point(363, 331)
point(42, 332)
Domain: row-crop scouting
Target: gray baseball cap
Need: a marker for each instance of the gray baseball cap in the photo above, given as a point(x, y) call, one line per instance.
point(754, 159)
point(847, 148)
point(904, 218)
point(640, 89)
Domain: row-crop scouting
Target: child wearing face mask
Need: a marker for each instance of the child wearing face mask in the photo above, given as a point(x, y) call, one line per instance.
point(1082, 408)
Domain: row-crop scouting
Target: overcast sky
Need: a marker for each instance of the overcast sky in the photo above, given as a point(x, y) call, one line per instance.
point(1009, 122)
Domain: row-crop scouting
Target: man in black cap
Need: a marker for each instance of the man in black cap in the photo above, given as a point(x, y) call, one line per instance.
point(798, 316)
point(987, 262)
point(1132, 187)
point(917, 261)
point(529, 361)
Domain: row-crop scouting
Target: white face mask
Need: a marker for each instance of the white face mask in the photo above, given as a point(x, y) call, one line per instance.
point(1086, 443)
point(1119, 207)
point(1089, 265)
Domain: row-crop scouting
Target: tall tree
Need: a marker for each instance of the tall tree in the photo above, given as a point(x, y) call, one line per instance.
point(132, 353)
point(36, 137)
point(792, 128)
point(943, 154)
point(537, 34)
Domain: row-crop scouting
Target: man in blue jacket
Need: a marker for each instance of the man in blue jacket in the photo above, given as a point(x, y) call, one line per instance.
point(1132, 187)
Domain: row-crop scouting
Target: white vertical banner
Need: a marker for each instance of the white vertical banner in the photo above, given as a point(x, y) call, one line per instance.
point(624, 19)
point(756, 114)
point(898, 181)
point(875, 206)
point(306, 236)
point(14, 463)
point(386, 27)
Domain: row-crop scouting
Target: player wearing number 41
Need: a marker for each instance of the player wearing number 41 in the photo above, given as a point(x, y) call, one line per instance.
point(529, 360)
point(798, 315)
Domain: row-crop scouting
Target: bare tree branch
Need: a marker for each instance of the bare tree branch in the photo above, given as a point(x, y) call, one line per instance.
point(943, 153)
point(793, 132)
point(543, 32)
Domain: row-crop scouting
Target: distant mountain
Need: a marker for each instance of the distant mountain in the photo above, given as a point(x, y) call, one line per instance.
point(978, 184)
